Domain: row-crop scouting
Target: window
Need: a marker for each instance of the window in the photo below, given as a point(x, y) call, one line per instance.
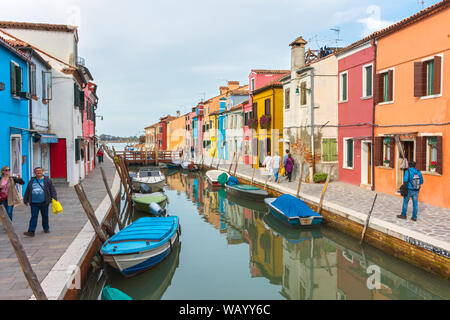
point(303, 93)
point(267, 107)
point(46, 85)
point(329, 149)
point(16, 79)
point(211, 124)
point(252, 84)
point(77, 150)
point(246, 118)
point(427, 77)
point(385, 86)
point(367, 81)
point(287, 98)
point(348, 153)
point(343, 94)
point(432, 151)
point(386, 150)
point(33, 79)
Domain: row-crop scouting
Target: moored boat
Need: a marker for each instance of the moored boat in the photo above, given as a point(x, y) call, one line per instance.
point(247, 191)
point(150, 176)
point(174, 164)
point(142, 244)
point(213, 175)
point(142, 201)
point(189, 165)
point(293, 211)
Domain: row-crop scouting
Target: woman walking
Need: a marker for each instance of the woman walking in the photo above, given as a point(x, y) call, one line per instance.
point(289, 166)
point(9, 197)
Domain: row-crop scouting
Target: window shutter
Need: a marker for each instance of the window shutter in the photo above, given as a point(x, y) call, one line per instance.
point(421, 153)
point(267, 107)
point(378, 152)
point(76, 96)
point(349, 153)
point(19, 79)
point(392, 153)
point(419, 79)
point(378, 88)
point(439, 154)
point(13, 78)
point(77, 149)
point(437, 75)
point(287, 98)
point(391, 85)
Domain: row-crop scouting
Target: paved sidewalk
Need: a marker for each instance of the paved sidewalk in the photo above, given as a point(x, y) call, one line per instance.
point(431, 220)
point(44, 250)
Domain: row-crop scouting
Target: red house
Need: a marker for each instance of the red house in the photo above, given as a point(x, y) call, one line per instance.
point(355, 113)
point(161, 133)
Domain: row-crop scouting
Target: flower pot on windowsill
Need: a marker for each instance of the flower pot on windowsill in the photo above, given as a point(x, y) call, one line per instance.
point(432, 169)
point(386, 164)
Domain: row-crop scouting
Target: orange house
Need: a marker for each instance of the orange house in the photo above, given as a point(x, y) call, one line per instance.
point(412, 103)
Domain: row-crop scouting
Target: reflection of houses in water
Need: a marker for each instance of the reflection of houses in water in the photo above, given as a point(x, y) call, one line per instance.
point(267, 249)
point(234, 218)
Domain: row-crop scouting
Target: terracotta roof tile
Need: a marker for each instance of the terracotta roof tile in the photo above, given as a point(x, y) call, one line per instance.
point(269, 71)
point(37, 26)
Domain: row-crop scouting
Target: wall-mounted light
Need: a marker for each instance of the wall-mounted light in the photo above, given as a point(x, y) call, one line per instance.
point(2, 86)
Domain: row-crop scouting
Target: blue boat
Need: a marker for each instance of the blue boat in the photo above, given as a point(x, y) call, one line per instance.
point(141, 245)
point(293, 211)
point(174, 164)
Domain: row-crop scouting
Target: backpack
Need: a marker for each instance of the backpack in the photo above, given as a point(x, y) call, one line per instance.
point(415, 181)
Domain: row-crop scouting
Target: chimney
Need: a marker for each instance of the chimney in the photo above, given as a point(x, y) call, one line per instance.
point(297, 55)
point(223, 90)
point(178, 113)
point(232, 85)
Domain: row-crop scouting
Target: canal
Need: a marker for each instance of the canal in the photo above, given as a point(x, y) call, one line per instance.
point(234, 249)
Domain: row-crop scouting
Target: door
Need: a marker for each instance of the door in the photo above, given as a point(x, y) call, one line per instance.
point(58, 159)
point(408, 149)
point(369, 163)
point(16, 158)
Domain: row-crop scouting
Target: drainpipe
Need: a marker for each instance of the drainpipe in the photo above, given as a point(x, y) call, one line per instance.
point(372, 154)
point(312, 124)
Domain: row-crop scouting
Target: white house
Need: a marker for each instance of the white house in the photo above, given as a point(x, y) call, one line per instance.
point(59, 45)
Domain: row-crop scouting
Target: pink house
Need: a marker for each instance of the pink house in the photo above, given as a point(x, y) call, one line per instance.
point(90, 105)
point(355, 113)
point(257, 79)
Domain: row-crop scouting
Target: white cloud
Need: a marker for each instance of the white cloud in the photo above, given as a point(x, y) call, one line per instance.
point(373, 22)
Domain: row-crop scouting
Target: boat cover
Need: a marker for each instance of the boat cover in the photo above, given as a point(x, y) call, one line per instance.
point(114, 294)
point(293, 207)
point(232, 181)
point(246, 187)
point(148, 198)
point(223, 178)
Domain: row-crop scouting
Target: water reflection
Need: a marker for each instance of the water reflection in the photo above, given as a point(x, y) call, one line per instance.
point(306, 264)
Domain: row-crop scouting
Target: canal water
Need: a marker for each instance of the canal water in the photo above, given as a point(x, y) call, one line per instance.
point(233, 249)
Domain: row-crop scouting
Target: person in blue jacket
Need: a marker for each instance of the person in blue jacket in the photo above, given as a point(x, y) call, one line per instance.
point(414, 179)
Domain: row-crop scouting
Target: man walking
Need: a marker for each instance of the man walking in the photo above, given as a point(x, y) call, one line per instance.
point(39, 193)
point(414, 179)
point(268, 165)
point(284, 161)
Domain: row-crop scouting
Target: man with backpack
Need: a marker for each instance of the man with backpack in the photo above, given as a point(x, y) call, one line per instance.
point(413, 178)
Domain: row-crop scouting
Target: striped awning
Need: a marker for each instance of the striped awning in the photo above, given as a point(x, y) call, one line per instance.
point(49, 138)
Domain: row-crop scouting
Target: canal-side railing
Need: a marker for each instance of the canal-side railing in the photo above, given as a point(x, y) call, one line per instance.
point(148, 156)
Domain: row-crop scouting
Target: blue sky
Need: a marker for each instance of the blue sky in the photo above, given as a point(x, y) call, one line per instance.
point(151, 58)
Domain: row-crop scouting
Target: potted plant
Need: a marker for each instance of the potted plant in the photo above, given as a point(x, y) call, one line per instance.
point(320, 177)
point(433, 166)
point(387, 162)
point(253, 123)
point(265, 121)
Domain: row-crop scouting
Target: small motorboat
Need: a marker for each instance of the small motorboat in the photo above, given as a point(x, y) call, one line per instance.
point(293, 211)
point(174, 164)
point(150, 176)
point(143, 201)
point(247, 191)
point(142, 244)
point(110, 293)
point(189, 165)
point(213, 175)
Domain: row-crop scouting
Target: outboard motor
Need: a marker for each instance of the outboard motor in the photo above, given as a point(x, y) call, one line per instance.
point(156, 209)
point(145, 189)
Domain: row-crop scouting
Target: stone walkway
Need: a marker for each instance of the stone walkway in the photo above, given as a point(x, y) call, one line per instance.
point(432, 221)
point(44, 250)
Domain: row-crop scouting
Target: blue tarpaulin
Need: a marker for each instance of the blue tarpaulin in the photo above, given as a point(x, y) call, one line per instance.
point(232, 181)
point(293, 207)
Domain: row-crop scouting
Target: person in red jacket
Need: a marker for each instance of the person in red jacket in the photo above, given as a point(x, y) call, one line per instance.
point(100, 155)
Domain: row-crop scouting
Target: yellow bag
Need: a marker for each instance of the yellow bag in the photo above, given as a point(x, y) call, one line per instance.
point(282, 170)
point(56, 207)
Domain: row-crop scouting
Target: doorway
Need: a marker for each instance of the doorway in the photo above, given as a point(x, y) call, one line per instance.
point(58, 159)
point(16, 158)
point(408, 149)
point(366, 163)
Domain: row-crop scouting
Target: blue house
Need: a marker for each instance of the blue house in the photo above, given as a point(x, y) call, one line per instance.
point(15, 134)
point(221, 141)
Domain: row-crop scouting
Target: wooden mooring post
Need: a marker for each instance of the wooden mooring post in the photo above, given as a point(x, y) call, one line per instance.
point(231, 163)
point(90, 212)
point(368, 218)
point(218, 163)
point(236, 165)
point(25, 264)
point(300, 180)
point(212, 159)
point(322, 196)
point(113, 202)
point(253, 175)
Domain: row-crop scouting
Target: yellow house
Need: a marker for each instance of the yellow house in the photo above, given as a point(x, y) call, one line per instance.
point(176, 132)
point(213, 132)
point(268, 102)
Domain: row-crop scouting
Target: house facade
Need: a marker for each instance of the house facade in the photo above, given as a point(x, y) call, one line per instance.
point(176, 133)
point(412, 101)
point(88, 145)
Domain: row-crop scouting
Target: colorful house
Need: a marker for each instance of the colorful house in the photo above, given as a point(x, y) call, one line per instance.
point(355, 113)
point(257, 79)
point(15, 132)
point(161, 132)
point(268, 108)
point(222, 146)
point(234, 132)
point(412, 102)
point(176, 133)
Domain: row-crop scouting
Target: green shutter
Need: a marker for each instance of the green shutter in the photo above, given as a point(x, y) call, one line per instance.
point(344, 87)
point(19, 83)
point(386, 87)
point(368, 81)
point(430, 77)
point(13, 77)
point(349, 153)
point(77, 149)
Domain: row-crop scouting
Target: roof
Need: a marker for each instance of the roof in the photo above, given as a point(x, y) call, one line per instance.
point(401, 24)
point(273, 84)
point(14, 50)
point(268, 71)
point(37, 26)
point(24, 46)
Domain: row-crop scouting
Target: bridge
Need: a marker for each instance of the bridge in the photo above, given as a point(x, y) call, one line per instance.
point(148, 157)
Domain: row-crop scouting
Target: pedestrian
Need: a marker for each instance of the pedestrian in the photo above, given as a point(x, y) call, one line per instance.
point(289, 166)
point(39, 193)
point(413, 178)
point(192, 152)
point(268, 165)
point(276, 165)
point(100, 155)
point(9, 197)
point(284, 161)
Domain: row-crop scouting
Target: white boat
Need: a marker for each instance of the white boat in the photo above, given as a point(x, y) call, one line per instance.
point(213, 175)
point(189, 165)
point(150, 176)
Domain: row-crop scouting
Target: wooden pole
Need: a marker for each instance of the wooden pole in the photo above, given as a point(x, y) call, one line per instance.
point(235, 167)
point(146, 157)
point(265, 185)
point(218, 163)
point(113, 202)
point(367, 220)
point(25, 264)
point(322, 196)
point(201, 164)
point(300, 180)
point(253, 175)
point(231, 164)
point(90, 212)
point(122, 178)
point(212, 159)
point(126, 173)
